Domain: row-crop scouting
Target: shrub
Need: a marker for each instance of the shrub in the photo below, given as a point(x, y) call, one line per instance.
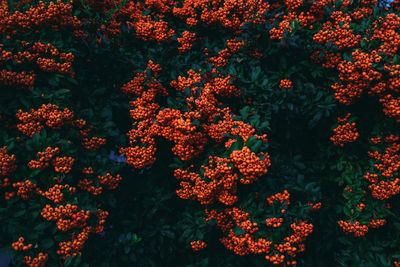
point(200, 133)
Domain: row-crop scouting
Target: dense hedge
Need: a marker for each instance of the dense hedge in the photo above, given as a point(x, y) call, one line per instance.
point(200, 133)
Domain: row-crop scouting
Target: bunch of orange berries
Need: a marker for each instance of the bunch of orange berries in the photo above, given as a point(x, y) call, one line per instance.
point(198, 245)
point(51, 115)
point(286, 83)
point(38, 261)
point(7, 166)
point(355, 228)
point(19, 245)
point(345, 132)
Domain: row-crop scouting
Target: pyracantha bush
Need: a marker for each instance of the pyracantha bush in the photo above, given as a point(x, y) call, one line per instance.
point(200, 133)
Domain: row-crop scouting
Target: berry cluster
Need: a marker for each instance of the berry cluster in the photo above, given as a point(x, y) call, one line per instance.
point(248, 240)
point(355, 228)
point(38, 261)
point(7, 166)
point(286, 83)
point(385, 183)
point(344, 133)
point(198, 245)
point(186, 41)
point(50, 115)
point(19, 245)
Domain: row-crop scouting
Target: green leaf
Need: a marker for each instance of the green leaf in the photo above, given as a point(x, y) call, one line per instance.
point(347, 56)
point(255, 73)
point(19, 213)
point(68, 261)
point(250, 141)
point(347, 211)
point(187, 91)
point(25, 102)
point(47, 243)
point(146, 12)
point(41, 226)
point(53, 82)
point(36, 138)
point(244, 112)
point(238, 231)
point(238, 145)
point(62, 92)
point(396, 59)
point(256, 146)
